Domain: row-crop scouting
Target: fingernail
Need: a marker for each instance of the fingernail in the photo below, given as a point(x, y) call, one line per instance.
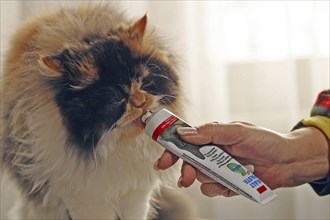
point(250, 168)
point(156, 165)
point(179, 182)
point(186, 131)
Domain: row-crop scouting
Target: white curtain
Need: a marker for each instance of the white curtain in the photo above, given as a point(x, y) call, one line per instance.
point(257, 61)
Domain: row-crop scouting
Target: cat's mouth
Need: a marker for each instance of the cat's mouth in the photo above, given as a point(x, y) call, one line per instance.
point(132, 119)
point(139, 122)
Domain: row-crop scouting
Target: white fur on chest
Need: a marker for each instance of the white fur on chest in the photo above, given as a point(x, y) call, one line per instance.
point(117, 180)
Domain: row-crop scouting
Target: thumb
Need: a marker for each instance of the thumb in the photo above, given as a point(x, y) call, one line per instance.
point(216, 133)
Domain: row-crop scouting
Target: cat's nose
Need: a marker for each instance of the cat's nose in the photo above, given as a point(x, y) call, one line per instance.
point(138, 100)
point(139, 104)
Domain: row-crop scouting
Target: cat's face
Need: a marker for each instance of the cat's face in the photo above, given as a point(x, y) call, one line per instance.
point(109, 82)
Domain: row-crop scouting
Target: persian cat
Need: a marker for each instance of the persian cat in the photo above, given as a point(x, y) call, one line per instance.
point(75, 84)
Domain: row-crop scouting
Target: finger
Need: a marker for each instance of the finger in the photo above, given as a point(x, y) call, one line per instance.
point(166, 160)
point(243, 122)
point(213, 189)
point(202, 178)
point(191, 135)
point(249, 168)
point(217, 133)
point(188, 175)
point(229, 193)
point(216, 189)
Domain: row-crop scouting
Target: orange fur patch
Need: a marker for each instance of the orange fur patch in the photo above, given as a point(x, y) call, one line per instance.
point(138, 103)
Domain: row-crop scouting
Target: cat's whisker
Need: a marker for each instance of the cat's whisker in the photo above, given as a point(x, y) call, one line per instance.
point(149, 58)
point(161, 76)
point(167, 98)
point(114, 137)
point(95, 156)
point(152, 65)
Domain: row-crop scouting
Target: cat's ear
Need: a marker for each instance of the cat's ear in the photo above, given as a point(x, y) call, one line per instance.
point(52, 63)
point(137, 30)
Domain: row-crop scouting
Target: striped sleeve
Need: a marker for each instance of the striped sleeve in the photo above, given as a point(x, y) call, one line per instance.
point(320, 118)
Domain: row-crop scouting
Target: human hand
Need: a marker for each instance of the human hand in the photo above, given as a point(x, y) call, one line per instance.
point(280, 160)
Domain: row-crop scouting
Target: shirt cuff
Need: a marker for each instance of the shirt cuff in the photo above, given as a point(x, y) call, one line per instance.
point(325, 180)
point(323, 124)
point(320, 122)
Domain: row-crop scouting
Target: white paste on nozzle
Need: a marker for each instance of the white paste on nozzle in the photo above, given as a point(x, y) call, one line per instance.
point(146, 116)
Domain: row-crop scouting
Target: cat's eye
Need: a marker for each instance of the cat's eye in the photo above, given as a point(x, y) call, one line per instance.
point(117, 98)
point(77, 87)
point(148, 84)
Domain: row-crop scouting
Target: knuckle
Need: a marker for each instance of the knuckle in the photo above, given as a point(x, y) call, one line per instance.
point(205, 190)
point(239, 128)
point(209, 128)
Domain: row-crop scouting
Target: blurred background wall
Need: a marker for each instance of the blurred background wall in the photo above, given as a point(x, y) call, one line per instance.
point(257, 61)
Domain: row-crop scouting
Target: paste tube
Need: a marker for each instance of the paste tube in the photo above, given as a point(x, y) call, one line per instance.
point(209, 159)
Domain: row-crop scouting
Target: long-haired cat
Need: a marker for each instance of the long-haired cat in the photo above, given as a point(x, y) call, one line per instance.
point(75, 84)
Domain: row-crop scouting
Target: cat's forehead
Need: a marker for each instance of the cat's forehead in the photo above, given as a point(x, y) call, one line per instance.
point(96, 46)
point(111, 60)
point(115, 48)
point(102, 53)
point(113, 56)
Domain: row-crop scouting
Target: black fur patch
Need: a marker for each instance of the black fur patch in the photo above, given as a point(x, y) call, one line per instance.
point(91, 111)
